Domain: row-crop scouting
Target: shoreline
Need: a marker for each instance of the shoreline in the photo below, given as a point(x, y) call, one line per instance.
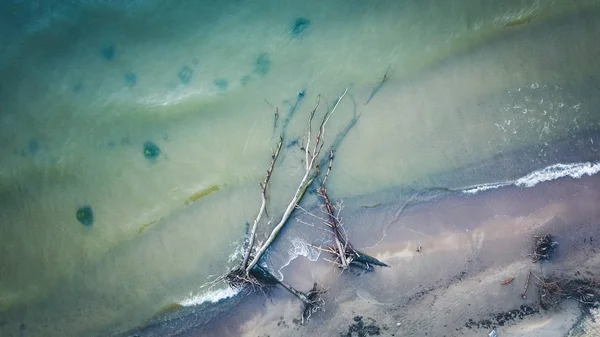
point(463, 253)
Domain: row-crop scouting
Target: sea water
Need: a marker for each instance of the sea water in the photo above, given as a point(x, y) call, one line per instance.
point(159, 117)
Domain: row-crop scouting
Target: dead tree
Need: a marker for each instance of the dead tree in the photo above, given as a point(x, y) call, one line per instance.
point(311, 158)
point(249, 273)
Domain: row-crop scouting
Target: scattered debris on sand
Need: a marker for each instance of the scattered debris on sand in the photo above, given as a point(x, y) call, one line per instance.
point(502, 318)
point(553, 290)
point(544, 248)
point(361, 328)
point(508, 280)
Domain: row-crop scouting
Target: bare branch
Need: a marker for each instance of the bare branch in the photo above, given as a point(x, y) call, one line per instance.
point(263, 205)
point(306, 181)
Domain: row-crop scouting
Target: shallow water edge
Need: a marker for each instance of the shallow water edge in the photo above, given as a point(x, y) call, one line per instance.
point(470, 244)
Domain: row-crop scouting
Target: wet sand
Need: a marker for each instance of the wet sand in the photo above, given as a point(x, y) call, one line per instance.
point(470, 245)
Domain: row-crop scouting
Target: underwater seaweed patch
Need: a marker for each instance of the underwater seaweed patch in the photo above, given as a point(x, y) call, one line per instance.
point(33, 147)
point(263, 64)
point(221, 84)
point(300, 25)
point(85, 215)
point(130, 79)
point(245, 80)
point(108, 52)
point(185, 74)
point(151, 150)
point(78, 87)
point(202, 194)
point(145, 226)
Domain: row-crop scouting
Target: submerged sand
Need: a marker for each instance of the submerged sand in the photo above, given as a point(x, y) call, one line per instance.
point(470, 244)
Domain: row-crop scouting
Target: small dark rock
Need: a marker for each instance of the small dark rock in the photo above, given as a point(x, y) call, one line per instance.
point(85, 215)
point(151, 150)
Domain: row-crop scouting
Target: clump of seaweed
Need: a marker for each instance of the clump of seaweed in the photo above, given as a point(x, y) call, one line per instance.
point(544, 248)
point(85, 215)
point(552, 291)
point(361, 328)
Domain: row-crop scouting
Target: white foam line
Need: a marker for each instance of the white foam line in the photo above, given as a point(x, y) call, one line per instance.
point(212, 296)
point(484, 187)
point(553, 172)
point(299, 248)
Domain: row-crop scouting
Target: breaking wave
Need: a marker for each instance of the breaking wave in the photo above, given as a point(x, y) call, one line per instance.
point(553, 172)
point(212, 296)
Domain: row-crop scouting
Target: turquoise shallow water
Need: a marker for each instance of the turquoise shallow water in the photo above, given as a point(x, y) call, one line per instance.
point(85, 85)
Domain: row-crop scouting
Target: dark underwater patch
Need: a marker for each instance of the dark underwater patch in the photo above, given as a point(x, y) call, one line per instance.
point(85, 215)
point(185, 74)
point(130, 79)
point(33, 146)
point(77, 88)
point(221, 84)
point(151, 150)
point(245, 79)
point(108, 53)
point(263, 64)
point(300, 25)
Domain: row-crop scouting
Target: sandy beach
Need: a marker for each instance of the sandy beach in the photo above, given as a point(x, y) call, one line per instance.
point(452, 287)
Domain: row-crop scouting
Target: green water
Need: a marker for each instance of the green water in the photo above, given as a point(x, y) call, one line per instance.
point(84, 86)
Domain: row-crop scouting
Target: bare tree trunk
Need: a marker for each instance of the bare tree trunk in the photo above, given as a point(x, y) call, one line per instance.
point(263, 205)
